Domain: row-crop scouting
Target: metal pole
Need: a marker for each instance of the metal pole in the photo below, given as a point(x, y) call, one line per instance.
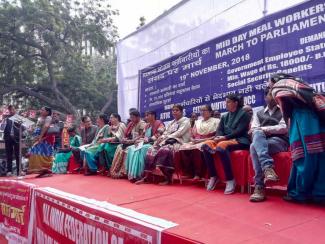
point(265, 8)
point(20, 149)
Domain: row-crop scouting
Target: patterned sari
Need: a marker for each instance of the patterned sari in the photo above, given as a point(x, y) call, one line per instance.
point(108, 148)
point(132, 132)
point(202, 129)
point(41, 154)
point(162, 154)
point(307, 140)
point(92, 151)
point(190, 156)
point(136, 154)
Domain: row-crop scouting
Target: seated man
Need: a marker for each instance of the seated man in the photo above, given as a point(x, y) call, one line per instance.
point(269, 136)
point(88, 133)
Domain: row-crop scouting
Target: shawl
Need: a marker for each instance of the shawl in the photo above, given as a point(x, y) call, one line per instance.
point(288, 91)
point(158, 124)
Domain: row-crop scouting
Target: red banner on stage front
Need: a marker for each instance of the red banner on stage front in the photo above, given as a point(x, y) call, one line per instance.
point(15, 202)
point(59, 217)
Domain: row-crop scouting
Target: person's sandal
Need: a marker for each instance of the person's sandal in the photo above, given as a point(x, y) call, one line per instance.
point(165, 183)
point(142, 181)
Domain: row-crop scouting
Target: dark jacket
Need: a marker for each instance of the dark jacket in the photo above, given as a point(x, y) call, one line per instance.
point(87, 136)
point(7, 131)
point(235, 126)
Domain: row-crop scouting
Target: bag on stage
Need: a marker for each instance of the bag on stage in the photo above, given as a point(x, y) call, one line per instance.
point(53, 130)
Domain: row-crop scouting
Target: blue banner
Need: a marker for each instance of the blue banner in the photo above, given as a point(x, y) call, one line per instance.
point(291, 41)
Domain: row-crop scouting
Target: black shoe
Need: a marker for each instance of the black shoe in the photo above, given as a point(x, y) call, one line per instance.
point(44, 175)
point(90, 173)
point(288, 198)
point(77, 169)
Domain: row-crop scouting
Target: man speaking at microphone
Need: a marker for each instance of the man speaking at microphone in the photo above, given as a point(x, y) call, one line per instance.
point(11, 138)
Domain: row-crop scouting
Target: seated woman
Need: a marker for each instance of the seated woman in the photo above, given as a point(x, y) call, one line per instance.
point(41, 153)
point(190, 154)
point(194, 117)
point(109, 144)
point(136, 153)
point(305, 109)
point(231, 135)
point(90, 152)
point(62, 158)
point(133, 132)
point(161, 154)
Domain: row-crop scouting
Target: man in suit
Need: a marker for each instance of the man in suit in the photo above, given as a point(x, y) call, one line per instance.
point(11, 138)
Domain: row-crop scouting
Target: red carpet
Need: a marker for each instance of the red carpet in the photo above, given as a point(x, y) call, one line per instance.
point(3, 240)
point(207, 217)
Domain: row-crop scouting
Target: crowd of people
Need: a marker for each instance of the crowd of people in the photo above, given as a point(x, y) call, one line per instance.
point(292, 119)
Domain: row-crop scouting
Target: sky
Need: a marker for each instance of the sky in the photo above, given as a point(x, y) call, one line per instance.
point(132, 10)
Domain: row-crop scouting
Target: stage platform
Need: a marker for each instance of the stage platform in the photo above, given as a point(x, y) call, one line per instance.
point(202, 217)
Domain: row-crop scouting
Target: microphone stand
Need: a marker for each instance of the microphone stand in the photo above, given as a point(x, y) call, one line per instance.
point(20, 163)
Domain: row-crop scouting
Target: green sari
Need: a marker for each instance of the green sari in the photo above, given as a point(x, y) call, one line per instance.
point(107, 150)
point(134, 165)
point(61, 160)
point(91, 153)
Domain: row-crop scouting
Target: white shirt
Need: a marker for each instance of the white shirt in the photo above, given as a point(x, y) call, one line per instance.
point(279, 129)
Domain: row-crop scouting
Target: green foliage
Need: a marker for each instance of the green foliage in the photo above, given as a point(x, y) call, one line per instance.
point(44, 47)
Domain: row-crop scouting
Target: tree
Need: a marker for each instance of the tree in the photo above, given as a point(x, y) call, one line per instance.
point(43, 47)
point(142, 22)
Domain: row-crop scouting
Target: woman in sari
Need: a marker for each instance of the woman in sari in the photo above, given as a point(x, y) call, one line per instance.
point(109, 144)
point(304, 109)
point(190, 153)
point(136, 153)
point(161, 154)
point(133, 132)
point(231, 135)
point(62, 158)
point(92, 151)
point(41, 153)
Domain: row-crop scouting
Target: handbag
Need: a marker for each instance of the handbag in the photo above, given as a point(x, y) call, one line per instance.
point(171, 141)
point(54, 129)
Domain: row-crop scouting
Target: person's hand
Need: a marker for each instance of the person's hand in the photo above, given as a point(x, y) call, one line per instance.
point(128, 141)
point(251, 131)
point(37, 141)
point(266, 132)
point(195, 141)
point(159, 140)
point(110, 139)
point(219, 138)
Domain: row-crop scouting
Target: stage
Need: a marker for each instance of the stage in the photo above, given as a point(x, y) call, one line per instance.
point(206, 217)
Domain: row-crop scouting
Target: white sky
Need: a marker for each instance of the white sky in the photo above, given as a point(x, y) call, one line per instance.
point(132, 10)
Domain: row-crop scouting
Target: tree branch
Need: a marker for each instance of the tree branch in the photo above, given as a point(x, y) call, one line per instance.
point(108, 103)
point(30, 92)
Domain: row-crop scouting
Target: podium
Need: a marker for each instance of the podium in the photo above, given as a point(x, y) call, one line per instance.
point(20, 122)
